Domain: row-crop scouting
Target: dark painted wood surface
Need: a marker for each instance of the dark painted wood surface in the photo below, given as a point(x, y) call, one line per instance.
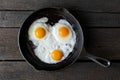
point(78, 71)
point(82, 5)
point(100, 20)
point(87, 19)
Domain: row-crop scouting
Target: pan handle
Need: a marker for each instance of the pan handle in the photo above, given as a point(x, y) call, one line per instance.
point(101, 61)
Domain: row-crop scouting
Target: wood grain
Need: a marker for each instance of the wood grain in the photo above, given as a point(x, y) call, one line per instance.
point(97, 20)
point(8, 44)
point(13, 18)
point(87, 5)
point(16, 18)
point(102, 42)
point(78, 71)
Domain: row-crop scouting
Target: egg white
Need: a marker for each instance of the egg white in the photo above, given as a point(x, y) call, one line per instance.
point(51, 41)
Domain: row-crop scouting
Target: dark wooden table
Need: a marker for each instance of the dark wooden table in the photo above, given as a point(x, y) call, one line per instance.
point(100, 20)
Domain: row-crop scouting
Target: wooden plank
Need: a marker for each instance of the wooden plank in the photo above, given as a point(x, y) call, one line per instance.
point(102, 42)
point(13, 18)
point(97, 19)
point(16, 18)
point(83, 5)
point(8, 44)
point(78, 71)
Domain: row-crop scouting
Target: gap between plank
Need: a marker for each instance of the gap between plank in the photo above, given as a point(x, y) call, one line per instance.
point(82, 11)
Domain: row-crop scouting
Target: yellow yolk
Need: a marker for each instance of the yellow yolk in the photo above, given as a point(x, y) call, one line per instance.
point(63, 31)
point(40, 32)
point(56, 55)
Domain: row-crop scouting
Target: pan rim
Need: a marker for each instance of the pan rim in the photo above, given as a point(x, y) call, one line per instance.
point(82, 43)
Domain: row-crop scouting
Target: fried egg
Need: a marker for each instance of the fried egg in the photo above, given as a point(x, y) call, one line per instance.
point(53, 43)
point(63, 31)
point(38, 30)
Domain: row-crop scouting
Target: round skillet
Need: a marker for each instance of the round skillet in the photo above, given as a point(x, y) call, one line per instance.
point(54, 14)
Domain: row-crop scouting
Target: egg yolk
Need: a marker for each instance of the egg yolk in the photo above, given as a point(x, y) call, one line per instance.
point(40, 32)
point(56, 55)
point(63, 31)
